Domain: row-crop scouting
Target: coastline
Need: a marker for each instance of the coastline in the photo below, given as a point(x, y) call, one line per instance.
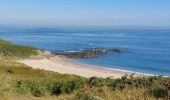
point(66, 66)
point(115, 69)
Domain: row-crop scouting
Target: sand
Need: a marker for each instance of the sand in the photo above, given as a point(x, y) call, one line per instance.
point(65, 66)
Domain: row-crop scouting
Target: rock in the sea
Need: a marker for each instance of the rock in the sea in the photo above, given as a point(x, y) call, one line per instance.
point(117, 50)
point(99, 50)
point(90, 53)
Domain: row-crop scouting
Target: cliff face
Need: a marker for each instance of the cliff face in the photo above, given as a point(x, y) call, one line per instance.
point(90, 53)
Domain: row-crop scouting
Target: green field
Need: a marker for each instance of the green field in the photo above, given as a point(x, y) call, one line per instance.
point(20, 82)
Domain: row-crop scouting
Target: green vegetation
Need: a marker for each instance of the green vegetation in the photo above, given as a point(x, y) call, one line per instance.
point(8, 49)
point(20, 82)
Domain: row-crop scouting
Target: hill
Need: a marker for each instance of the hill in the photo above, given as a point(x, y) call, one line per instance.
point(8, 49)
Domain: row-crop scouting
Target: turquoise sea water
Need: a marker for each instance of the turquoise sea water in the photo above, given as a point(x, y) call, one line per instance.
point(147, 50)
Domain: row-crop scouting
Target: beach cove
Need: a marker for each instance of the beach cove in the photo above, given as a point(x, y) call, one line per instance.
point(66, 66)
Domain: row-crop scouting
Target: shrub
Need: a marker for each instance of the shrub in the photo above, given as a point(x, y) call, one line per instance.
point(110, 83)
point(50, 86)
point(72, 85)
point(44, 87)
point(151, 85)
point(56, 90)
point(94, 81)
point(30, 87)
point(159, 92)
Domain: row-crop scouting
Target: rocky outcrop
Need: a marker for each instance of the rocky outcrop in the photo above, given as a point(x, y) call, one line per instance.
point(44, 53)
point(89, 53)
point(41, 54)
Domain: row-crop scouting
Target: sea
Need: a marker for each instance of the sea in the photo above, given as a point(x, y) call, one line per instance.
point(147, 50)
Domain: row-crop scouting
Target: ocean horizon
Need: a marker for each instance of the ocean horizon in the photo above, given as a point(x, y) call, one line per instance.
point(146, 50)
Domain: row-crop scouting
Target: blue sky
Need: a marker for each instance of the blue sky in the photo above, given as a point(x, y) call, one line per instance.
point(86, 12)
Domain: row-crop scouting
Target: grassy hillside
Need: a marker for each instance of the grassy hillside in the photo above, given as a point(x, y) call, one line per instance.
point(8, 49)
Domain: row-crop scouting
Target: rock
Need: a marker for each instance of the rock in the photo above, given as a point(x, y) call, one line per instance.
point(44, 52)
point(100, 50)
point(90, 53)
point(117, 50)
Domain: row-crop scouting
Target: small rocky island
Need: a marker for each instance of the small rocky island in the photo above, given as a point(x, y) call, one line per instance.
point(89, 53)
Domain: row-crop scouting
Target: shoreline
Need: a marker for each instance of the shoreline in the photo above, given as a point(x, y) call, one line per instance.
point(114, 69)
point(66, 66)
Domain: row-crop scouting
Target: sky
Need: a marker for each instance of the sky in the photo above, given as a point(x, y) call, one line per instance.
point(120, 13)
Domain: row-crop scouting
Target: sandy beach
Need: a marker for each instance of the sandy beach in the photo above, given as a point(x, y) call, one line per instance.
point(65, 66)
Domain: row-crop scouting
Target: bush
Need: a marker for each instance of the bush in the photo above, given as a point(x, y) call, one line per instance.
point(30, 87)
point(44, 87)
point(159, 92)
point(50, 86)
point(57, 89)
point(94, 81)
point(72, 85)
point(153, 85)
